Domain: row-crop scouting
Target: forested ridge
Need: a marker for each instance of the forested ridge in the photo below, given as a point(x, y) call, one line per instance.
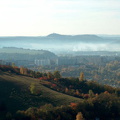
point(103, 73)
point(87, 100)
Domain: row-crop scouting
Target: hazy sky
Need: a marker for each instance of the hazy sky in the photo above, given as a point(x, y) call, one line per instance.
point(42, 17)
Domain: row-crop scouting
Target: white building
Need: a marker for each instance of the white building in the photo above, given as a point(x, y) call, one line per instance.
point(42, 62)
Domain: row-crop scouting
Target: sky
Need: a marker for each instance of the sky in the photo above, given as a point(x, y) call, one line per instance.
point(71, 17)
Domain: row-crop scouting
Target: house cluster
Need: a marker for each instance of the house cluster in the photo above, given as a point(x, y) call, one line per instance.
point(101, 60)
point(67, 60)
point(42, 62)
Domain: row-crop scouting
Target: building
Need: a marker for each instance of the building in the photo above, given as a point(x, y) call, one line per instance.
point(42, 62)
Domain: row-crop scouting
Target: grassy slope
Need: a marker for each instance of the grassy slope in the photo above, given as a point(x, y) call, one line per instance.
point(14, 91)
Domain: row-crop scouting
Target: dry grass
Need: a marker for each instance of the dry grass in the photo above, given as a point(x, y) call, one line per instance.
point(14, 91)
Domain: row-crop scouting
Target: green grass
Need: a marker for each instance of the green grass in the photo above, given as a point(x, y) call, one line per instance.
point(15, 93)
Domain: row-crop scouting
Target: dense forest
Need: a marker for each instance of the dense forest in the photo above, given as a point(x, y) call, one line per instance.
point(83, 99)
point(107, 73)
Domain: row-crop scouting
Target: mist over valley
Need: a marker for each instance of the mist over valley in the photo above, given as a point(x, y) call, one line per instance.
point(64, 43)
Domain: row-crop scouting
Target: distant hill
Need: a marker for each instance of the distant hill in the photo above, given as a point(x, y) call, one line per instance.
point(75, 37)
point(25, 51)
point(57, 37)
point(13, 53)
point(57, 42)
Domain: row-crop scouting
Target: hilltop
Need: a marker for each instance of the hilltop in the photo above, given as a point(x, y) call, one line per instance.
point(15, 93)
point(84, 37)
point(25, 51)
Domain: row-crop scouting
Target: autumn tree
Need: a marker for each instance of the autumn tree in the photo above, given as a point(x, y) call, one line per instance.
point(66, 90)
point(91, 94)
point(81, 78)
point(33, 89)
point(13, 65)
point(23, 71)
point(77, 92)
point(50, 75)
point(79, 116)
point(57, 74)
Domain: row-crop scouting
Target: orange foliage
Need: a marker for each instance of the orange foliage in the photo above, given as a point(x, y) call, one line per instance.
point(55, 79)
point(106, 92)
point(86, 96)
point(73, 105)
point(54, 85)
point(42, 78)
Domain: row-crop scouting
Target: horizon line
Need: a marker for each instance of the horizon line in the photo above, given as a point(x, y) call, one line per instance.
point(58, 34)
